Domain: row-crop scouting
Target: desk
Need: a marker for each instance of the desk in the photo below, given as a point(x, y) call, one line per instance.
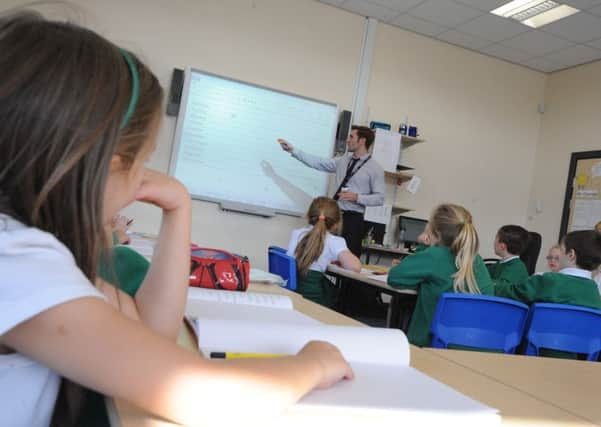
point(571, 385)
point(517, 408)
point(402, 300)
point(369, 249)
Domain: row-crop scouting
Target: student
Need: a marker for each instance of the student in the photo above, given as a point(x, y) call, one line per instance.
point(316, 246)
point(79, 119)
point(450, 264)
point(553, 258)
point(510, 242)
point(580, 254)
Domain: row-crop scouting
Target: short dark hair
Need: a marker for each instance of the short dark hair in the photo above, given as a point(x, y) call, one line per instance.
point(364, 132)
point(586, 244)
point(514, 237)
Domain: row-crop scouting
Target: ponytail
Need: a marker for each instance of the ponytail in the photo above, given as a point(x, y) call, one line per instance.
point(323, 214)
point(310, 247)
point(452, 226)
point(465, 248)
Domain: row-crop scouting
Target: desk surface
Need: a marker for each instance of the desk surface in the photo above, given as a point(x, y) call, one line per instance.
point(386, 249)
point(568, 384)
point(517, 407)
point(365, 278)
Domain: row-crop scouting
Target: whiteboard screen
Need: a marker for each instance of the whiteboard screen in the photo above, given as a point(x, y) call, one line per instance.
point(225, 146)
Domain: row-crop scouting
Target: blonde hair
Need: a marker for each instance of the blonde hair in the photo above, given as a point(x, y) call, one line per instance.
point(452, 226)
point(558, 247)
point(323, 214)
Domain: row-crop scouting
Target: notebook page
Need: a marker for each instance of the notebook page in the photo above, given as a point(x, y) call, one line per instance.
point(357, 344)
point(245, 298)
point(242, 312)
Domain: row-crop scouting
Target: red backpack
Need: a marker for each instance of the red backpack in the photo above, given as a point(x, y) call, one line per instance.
point(217, 269)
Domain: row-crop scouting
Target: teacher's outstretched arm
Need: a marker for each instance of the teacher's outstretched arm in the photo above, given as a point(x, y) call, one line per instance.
point(315, 162)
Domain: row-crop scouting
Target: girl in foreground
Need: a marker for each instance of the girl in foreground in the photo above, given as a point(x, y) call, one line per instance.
point(79, 119)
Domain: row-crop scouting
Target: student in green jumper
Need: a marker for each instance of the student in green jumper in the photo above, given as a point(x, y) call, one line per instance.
point(510, 242)
point(580, 254)
point(450, 264)
point(316, 246)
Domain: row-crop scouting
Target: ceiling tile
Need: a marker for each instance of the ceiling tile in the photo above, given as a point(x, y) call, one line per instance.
point(397, 5)
point(371, 10)
point(444, 12)
point(580, 27)
point(492, 28)
point(582, 4)
point(417, 25)
point(595, 11)
point(574, 55)
point(507, 53)
point(332, 2)
point(463, 40)
point(595, 43)
point(536, 42)
point(485, 5)
point(543, 64)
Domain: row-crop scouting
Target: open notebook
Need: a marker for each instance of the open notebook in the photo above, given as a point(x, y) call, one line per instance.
point(258, 306)
point(385, 391)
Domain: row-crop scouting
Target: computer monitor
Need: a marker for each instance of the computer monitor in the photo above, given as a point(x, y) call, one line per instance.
point(410, 229)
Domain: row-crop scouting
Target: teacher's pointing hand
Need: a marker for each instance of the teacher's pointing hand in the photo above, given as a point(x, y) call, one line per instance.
point(286, 146)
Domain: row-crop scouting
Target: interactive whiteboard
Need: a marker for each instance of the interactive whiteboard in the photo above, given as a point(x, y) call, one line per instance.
point(226, 151)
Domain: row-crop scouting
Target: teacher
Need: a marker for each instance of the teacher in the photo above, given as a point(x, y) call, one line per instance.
point(359, 181)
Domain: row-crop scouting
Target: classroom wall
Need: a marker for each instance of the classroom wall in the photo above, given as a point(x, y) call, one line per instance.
point(571, 123)
point(478, 116)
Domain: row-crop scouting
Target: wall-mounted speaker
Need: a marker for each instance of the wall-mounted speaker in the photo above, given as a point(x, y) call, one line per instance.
point(344, 127)
point(175, 92)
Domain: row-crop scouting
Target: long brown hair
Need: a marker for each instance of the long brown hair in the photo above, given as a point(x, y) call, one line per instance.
point(453, 227)
point(64, 91)
point(323, 215)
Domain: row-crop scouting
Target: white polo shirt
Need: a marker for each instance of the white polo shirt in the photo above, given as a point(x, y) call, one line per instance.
point(37, 272)
point(332, 248)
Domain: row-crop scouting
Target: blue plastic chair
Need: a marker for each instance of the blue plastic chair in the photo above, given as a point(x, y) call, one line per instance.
point(480, 321)
point(283, 265)
point(564, 327)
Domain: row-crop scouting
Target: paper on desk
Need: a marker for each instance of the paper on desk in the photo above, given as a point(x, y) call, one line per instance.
point(414, 183)
point(259, 299)
point(261, 276)
point(378, 214)
point(385, 391)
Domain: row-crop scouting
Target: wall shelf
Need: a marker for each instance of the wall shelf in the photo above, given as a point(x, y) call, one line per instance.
point(400, 176)
point(408, 141)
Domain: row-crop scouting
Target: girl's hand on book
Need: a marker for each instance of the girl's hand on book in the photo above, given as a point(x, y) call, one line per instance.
point(333, 366)
point(163, 191)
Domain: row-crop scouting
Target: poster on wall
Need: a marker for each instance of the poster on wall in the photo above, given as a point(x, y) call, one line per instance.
point(582, 203)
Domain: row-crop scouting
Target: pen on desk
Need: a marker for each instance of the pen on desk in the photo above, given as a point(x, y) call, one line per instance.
point(237, 355)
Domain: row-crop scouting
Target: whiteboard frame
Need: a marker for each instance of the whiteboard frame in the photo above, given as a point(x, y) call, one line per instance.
point(252, 209)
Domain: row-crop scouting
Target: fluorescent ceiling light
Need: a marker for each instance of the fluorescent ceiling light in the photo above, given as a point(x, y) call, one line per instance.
point(534, 13)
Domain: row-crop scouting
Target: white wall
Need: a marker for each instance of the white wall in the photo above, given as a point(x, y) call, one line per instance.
point(571, 123)
point(478, 116)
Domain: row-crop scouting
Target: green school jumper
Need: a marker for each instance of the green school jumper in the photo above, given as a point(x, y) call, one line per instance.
point(430, 272)
point(315, 287)
point(553, 288)
point(513, 271)
point(127, 270)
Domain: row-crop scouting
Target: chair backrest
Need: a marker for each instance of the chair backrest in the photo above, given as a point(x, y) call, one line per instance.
point(566, 328)
point(530, 254)
point(283, 265)
point(480, 321)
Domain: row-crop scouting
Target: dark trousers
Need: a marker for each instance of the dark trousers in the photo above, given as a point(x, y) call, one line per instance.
point(353, 230)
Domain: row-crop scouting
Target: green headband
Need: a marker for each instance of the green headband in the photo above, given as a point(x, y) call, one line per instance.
point(135, 90)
